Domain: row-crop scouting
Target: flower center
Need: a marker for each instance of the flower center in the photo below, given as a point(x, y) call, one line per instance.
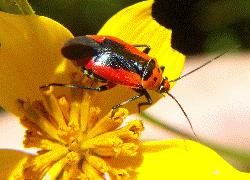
point(74, 142)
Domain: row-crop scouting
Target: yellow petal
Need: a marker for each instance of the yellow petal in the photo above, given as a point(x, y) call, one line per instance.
point(30, 57)
point(11, 160)
point(178, 159)
point(184, 159)
point(135, 25)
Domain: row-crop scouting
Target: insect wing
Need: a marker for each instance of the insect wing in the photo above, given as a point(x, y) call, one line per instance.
point(80, 47)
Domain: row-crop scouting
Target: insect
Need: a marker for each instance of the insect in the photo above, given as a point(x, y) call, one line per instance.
point(114, 62)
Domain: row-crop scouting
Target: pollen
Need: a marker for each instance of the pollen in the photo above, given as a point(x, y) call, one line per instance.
point(74, 142)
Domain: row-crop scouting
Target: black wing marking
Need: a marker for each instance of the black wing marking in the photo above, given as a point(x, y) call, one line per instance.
point(79, 47)
point(115, 55)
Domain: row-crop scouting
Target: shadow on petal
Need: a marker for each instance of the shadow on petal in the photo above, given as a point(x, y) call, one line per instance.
point(9, 161)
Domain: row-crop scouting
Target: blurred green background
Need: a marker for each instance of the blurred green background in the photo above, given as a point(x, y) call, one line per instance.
point(198, 25)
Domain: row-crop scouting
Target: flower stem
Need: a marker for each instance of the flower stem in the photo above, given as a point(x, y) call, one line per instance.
point(24, 7)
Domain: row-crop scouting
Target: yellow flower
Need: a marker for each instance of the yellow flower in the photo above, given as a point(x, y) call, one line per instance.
point(74, 142)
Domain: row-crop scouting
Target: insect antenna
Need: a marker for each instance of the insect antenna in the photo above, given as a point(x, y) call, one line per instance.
point(182, 109)
point(206, 63)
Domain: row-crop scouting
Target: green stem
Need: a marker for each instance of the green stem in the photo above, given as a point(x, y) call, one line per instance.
point(24, 7)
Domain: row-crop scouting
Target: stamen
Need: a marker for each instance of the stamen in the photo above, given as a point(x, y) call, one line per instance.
point(44, 160)
point(98, 163)
point(127, 149)
point(74, 115)
point(70, 135)
point(53, 108)
point(132, 130)
point(124, 149)
point(76, 97)
point(55, 170)
point(84, 112)
point(37, 118)
point(93, 117)
point(108, 123)
point(65, 108)
point(100, 141)
point(91, 172)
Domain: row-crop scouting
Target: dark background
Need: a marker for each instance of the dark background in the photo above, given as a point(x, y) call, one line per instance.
point(198, 25)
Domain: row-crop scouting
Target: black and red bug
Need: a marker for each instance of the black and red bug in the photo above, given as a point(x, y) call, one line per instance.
point(114, 62)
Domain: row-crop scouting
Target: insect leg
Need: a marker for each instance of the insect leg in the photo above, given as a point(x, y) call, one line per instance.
point(127, 101)
point(162, 68)
point(147, 47)
point(148, 102)
point(142, 92)
point(99, 89)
